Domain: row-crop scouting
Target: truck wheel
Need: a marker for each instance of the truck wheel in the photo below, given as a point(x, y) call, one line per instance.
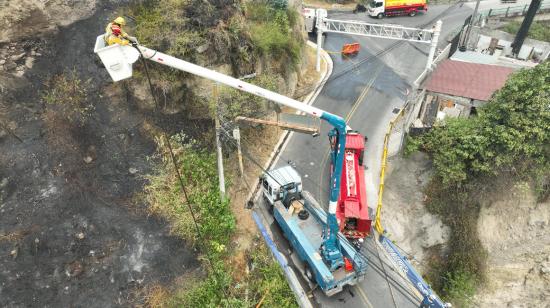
point(412, 13)
point(309, 273)
point(380, 16)
point(269, 205)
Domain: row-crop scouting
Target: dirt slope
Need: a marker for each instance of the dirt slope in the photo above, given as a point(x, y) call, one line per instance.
point(515, 230)
point(21, 18)
point(408, 222)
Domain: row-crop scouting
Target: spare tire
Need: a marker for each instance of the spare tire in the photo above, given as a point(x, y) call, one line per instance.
point(303, 214)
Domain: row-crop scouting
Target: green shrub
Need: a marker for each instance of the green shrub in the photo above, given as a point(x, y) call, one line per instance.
point(67, 96)
point(198, 169)
point(269, 280)
point(411, 145)
point(271, 31)
point(459, 288)
point(264, 281)
point(217, 224)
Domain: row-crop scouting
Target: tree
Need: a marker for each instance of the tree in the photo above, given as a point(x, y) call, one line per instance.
point(511, 132)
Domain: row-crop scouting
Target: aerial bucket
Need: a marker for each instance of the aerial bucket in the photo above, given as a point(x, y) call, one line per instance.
point(117, 59)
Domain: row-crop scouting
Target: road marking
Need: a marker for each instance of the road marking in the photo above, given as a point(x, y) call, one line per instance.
point(364, 93)
point(363, 296)
point(348, 117)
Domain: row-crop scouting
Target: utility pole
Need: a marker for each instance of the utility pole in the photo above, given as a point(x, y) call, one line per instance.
point(464, 46)
point(237, 136)
point(319, 43)
point(319, 27)
point(221, 178)
point(525, 25)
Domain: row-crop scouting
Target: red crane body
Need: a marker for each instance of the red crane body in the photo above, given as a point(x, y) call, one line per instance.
point(352, 211)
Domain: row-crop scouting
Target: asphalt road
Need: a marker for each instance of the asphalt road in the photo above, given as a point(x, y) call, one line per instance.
point(368, 90)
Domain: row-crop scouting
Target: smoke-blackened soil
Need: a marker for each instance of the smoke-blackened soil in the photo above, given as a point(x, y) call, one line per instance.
point(73, 232)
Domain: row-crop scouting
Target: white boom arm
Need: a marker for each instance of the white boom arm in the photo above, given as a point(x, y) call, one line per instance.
point(118, 61)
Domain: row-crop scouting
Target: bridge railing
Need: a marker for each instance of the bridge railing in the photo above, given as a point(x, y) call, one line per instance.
point(387, 31)
point(518, 10)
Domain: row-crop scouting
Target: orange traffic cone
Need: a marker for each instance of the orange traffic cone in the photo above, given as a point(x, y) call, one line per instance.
point(348, 265)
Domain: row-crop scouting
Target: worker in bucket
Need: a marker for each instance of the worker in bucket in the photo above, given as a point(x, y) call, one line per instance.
point(116, 38)
point(114, 34)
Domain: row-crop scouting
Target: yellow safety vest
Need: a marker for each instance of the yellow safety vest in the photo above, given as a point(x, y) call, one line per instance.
point(113, 39)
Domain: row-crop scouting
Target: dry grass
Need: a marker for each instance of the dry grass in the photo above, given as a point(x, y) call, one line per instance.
point(310, 76)
point(156, 296)
point(12, 237)
point(257, 143)
point(17, 235)
point(159, 295)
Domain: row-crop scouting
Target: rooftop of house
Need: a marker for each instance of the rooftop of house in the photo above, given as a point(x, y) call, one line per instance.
point(482, 58)
point(469, 80)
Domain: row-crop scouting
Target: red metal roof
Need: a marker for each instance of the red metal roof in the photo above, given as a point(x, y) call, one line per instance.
point(470, 80)
point(355, 141)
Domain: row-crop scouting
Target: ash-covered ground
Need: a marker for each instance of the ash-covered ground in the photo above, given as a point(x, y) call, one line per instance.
point(73, 231)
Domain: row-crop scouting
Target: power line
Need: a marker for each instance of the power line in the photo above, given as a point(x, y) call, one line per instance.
point(180, 180)
point(247, 154)
point(356, 65)
point(380, 269)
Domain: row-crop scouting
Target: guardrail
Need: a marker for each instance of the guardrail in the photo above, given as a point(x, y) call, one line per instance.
point(301, 296)
point(383, 163)
point(518, 10)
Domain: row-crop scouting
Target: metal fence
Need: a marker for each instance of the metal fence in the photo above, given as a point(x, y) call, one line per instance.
point(518, 10)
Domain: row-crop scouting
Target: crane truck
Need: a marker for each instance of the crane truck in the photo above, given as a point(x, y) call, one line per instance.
point(381, 8)
point(302, 221)
point(332, 260)
point(326, 253)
